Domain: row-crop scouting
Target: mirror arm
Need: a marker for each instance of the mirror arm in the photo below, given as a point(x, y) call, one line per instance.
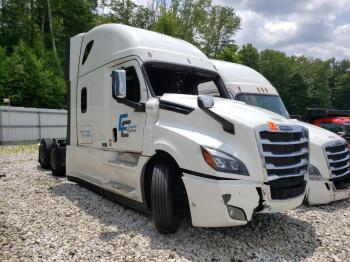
point(139, 107)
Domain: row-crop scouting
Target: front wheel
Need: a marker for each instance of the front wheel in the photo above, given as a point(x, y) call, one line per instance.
point(45, 152)
point(163, 198)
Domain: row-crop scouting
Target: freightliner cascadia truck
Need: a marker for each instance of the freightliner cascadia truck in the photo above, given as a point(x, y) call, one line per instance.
point(329, 169)
point(143, 131)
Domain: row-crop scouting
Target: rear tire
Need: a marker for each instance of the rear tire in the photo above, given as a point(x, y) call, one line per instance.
point(45, 152)
point(57, 158)
point(163, 198)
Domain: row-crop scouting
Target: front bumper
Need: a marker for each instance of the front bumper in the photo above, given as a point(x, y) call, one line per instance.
point(323, 191)
point(210, 200)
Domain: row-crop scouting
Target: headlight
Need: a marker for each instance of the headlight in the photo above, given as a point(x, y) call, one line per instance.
point(314, 172)
point(223, 162)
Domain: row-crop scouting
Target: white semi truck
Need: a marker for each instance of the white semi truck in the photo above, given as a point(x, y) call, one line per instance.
point(329, 170)
point(143, 131)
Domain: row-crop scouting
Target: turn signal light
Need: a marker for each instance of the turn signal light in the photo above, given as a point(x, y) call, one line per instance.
point(208, 158)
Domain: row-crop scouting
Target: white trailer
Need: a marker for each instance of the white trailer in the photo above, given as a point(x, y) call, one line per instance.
point(329, 170)
point(143, 130)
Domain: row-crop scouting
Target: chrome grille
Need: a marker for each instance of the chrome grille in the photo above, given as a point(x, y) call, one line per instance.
point(285, 152)
point(338, 157)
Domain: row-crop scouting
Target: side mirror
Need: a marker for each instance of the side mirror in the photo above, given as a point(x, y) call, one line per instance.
point(205, 101)
point(119, 83)
point(341, 133)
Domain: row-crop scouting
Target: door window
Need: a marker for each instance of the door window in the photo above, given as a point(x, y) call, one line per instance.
point(132, 85)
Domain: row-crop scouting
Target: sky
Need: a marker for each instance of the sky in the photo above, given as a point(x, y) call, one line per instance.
point(318, 28)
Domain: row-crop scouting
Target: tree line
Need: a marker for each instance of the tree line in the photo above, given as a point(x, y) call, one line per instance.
point(33, 33)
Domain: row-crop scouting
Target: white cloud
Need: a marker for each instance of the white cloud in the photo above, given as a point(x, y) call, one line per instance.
point(319, 28)
point(278, 31)
point(342, 34)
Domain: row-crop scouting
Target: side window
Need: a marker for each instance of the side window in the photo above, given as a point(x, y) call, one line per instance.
point(87, 51)
point(132, 85)
point(83, 100)
point(208, 89)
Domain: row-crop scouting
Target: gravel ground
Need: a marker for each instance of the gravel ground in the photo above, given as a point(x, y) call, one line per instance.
point(51, 219)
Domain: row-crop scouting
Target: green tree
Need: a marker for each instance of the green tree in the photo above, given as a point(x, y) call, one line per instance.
point(249, 56)
point(276, 67)
point(167, 24)
point(191, 16)
point(343, 92)
point(123, 11)
point(229, 54)
point(316, 73)
point(31, 82)
point(4, 74)
point(298, 101)
point(338, 69)
point(218, 30)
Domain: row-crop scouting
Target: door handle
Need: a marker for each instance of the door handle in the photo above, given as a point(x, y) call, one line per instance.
point(115, 134)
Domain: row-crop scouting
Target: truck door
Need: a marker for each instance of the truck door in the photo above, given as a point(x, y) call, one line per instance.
point(126, 123)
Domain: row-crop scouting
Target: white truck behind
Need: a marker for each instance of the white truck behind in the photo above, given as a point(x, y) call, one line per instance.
point(329, 170)
point(143, 131)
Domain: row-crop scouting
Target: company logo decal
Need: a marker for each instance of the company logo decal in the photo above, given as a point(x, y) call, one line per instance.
point(125, 126)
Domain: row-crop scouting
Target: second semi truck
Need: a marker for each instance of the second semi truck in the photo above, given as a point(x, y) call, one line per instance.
point(329, 170)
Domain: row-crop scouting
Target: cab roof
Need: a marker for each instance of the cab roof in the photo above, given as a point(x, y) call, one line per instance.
point(241, 78)
point(116, 41)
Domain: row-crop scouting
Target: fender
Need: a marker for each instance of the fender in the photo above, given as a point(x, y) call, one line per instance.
point(168, 147)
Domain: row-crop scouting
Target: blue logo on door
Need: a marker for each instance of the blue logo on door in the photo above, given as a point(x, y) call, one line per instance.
point(125, 126)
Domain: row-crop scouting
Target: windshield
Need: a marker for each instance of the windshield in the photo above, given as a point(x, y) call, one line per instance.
point(269, 102)
point(340, 129)
point(174, 79)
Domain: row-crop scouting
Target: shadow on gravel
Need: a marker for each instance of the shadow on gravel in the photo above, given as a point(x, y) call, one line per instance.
point(268, 237)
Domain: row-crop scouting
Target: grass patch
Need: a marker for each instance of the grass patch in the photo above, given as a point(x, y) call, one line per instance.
point(16, 149)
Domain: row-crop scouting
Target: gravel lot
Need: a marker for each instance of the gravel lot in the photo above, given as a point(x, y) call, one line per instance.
point(51, 219)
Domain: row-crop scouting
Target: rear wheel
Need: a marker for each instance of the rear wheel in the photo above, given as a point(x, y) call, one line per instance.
point(44, 152)
point(164, 187)
point(58, 167)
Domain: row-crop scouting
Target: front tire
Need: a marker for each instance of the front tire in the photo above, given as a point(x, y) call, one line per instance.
point(163, 198)
point(45, 152)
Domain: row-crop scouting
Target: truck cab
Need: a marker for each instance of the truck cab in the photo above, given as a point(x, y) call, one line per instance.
point(336, 121)
point(329, 170)
point(144, 131)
